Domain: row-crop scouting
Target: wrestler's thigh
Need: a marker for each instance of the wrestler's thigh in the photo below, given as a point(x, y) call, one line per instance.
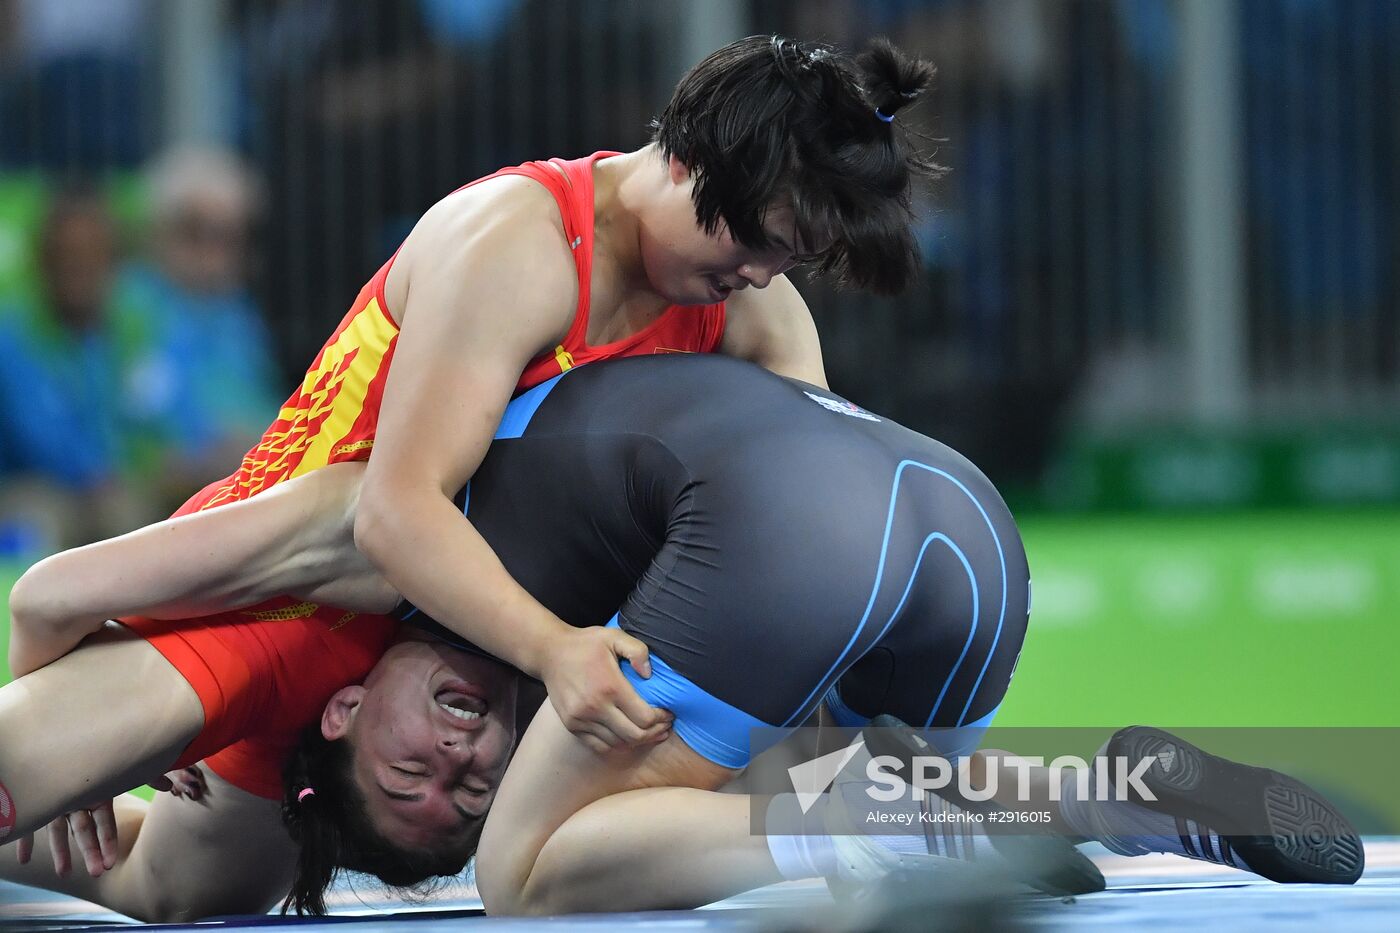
point(226, 853)
point(103, 719)
point(552, 776)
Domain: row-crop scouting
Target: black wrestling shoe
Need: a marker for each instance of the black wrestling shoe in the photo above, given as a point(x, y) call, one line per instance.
point(1308, 840)
point(1041, 859)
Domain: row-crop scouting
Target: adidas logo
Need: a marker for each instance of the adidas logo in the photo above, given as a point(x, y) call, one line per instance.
point(1166, 757)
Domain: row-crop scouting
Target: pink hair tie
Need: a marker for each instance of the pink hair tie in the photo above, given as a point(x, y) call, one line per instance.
point(304, 793)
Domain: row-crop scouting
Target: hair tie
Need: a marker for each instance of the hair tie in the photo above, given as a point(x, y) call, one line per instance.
point(305, 792)
point(886, 117)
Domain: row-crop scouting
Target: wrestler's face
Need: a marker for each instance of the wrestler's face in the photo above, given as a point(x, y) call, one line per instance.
point(432, 728)
point(688, 266)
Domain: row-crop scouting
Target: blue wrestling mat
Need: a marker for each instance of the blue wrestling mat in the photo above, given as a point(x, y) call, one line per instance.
point(1156, 892)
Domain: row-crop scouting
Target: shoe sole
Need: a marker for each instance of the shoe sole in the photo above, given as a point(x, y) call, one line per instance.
point(1308, 840)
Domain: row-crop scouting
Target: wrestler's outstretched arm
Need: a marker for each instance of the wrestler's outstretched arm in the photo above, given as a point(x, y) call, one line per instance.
point(296, 539)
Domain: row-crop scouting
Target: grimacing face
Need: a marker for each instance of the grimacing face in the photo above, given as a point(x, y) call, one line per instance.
point(687, 266)
point(432, 728)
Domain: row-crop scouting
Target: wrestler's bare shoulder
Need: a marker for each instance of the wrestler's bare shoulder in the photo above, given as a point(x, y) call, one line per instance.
point(509, 224)
point(507, 200)
point(773, 327)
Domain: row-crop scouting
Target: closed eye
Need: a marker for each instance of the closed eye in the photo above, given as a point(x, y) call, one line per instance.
point(471, 808)
point(400, 795)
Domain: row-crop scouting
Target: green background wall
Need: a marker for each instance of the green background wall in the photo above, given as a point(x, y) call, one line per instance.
point(1263, 618)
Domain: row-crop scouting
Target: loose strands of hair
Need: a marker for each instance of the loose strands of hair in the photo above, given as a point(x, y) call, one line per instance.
point(767, 121)
point(333, 831)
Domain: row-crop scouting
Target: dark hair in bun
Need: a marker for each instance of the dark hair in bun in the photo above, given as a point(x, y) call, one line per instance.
point(890, 78)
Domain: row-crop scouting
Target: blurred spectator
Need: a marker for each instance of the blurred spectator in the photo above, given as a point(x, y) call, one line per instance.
point(362, 115)
point(71, 94)
point(341, 98)
point(206, 386)
point(64, 417)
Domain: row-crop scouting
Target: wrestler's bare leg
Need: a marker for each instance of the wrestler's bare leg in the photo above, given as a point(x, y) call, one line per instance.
point(634, 829)
point(296, 538)
point(96, 723)
point(108, 717)
point(640, 829)
point(651, 847)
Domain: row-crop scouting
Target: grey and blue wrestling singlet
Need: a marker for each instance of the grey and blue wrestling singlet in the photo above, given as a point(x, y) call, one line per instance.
point(773, 545)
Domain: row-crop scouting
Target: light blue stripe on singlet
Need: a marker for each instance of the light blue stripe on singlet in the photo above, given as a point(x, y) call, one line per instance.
point(976, 609)
point(842, 714)
point(516, 419)
point(879, 577)
point(949, 742)
point(523, 407)
point(960, 740)
point(710, 726)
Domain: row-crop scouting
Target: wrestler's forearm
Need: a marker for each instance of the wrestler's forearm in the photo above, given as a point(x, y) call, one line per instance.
point(50, 613)
point(295, 539)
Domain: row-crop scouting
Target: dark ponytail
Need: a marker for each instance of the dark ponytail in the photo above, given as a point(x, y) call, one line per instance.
point(326, 815)
point(768, 120)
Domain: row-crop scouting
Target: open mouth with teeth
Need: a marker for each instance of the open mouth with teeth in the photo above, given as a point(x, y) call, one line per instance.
point(460, 704)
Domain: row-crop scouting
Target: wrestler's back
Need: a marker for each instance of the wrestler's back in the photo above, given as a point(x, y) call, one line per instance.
point(723, 513)
point(577, 506)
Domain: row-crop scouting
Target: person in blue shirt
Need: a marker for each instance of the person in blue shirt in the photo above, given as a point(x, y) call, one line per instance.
point(65, 416)
point(206, 386)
